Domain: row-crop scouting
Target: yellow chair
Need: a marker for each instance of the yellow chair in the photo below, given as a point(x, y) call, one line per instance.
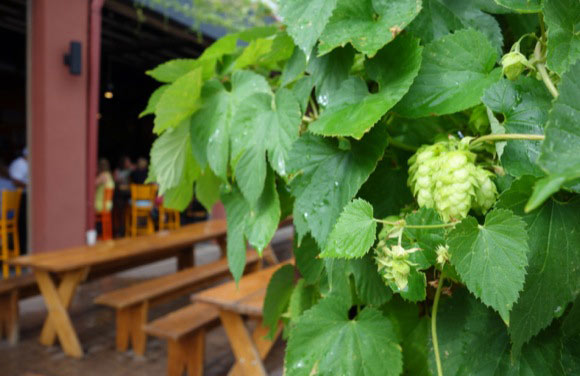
point(9, 228)
point(142, 203)
point(169, 219)
point(105, 217)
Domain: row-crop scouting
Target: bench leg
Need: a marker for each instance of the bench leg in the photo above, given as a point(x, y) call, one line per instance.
point(270, 256)
point(248, 358)
point(9, 316)
point(130, 323)
point(223, 244)
point(263, 345)
point(58, 322)
point(187, 354)
point(185, 259)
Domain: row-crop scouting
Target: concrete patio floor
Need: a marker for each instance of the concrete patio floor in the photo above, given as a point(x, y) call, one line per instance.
point(96, 329)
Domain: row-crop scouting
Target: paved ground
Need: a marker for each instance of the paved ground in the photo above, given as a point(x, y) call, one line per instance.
point(96, 328)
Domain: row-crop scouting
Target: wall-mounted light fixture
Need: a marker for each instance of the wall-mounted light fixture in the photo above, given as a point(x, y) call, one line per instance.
point(74, 58)
point(109, 92)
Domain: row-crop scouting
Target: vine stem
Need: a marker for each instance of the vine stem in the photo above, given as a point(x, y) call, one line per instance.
point(507, 136)
point(434, 324)
point(403, 224)
point(313, 107)
point(401, 145)
point(541, 67)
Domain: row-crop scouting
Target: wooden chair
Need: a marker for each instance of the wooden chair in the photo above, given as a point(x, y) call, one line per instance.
point(9, 228)
point(169, 219)
point(105, 217)
point(142, 203)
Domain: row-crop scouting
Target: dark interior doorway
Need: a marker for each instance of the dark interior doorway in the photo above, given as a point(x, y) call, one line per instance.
point(12, 79)
point(135, 40)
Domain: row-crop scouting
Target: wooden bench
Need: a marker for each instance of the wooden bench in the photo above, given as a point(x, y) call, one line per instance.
point(59, 273)
point(132, 303)
point(236, 301)
point(11, 291)
point(184, 331)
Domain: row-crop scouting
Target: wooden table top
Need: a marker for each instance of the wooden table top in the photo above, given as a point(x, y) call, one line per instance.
point(126, 248)
point(246, 298)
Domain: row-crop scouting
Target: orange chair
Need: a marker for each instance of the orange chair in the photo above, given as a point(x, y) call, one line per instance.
point(9, 228)
point(142, 203)
point(105, 216)
point(169, 219)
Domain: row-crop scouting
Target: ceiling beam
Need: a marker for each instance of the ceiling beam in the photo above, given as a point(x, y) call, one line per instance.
point(130, 12)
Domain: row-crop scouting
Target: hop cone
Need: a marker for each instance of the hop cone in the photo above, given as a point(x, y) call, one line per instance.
point(444, 176)
point(486, 194)
point(393, 264)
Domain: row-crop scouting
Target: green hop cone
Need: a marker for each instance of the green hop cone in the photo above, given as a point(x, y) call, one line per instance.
point(420, 178)
point(393, 264)
point(454, 184)
point(444, 176)
point(513, 64)
point(486, 194)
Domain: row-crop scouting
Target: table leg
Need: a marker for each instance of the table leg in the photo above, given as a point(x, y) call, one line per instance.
point(58, 322)
point(247, 355)
point(263, 345)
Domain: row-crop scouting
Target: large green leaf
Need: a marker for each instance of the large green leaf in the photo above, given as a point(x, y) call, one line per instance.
point(413, 333)
point(491, 259)
point(264, 216)
point(367, 24)
point(153, 100)
point(562, 20)
point(325, 341)
point(178, 101)
point(524, 105)
point(441, 17)
point(305, 20)
point(329, 71)
point(352, 110)
point(559, 150)
point(172, 158)
point(237, 213)
point(368, 284)
point(552, 280)
point(266, 51)
point(562, 137)
point(425, 239)
point(278, 296)
point(171, 70)
point(263, 123)
point(326, 178)
point(207, 189)
point(455, 71)
point(571, 330)
point(524, 6)
point(294, 67)
point(474, 341)
point(354, 233)
point(211, 125)
point(307, 261)
point(386, 189)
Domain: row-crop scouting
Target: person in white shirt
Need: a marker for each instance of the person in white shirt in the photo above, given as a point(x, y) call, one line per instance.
point(18, 169)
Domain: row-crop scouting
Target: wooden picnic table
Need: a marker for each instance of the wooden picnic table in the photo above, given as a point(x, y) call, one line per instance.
point(74, 265)
point(235, 301)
